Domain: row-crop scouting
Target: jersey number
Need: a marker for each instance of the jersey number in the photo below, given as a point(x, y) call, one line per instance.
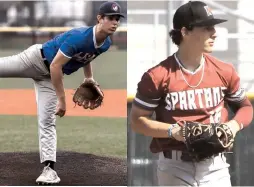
point(215, 115)
point(84, 57)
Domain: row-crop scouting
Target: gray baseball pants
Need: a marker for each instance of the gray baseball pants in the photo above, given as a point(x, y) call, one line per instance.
point(209, 173)
point(29, 64)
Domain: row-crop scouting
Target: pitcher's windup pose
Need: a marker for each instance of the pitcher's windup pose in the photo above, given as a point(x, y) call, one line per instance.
point(47, 63)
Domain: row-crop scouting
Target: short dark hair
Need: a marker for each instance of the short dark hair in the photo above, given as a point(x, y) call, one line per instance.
point(176, 35)
point(102, 16)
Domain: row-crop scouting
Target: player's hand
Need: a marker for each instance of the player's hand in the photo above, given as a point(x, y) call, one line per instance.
point(177, 133)
point(61, 108)
point(90, 80)
point(234, 126)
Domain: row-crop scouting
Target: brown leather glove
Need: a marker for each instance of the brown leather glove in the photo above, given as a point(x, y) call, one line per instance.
point(89, 95)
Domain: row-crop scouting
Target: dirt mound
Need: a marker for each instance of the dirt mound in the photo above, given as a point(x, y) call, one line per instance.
point(73, 169)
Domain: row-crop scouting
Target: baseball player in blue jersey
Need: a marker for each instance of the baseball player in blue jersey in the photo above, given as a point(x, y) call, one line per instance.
point(47, 63)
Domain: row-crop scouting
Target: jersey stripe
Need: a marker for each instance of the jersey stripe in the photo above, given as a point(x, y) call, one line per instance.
point(64, 54)
point(147, 100)
point(238, 96)
point(149, 105)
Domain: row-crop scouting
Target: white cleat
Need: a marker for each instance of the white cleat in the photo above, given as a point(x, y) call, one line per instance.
point(48, 176)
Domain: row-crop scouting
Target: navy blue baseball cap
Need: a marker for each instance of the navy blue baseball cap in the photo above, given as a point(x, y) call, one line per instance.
point(110, 8)
point(194, 13)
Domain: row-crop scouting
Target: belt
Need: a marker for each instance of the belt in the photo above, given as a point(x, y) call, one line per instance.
point(177, 155)
point(45, 60)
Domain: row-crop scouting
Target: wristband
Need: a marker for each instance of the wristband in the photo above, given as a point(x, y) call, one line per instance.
point(170, 130)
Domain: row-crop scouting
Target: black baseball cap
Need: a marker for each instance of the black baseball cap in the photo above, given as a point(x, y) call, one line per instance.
point(194, 14)
point(110, 8)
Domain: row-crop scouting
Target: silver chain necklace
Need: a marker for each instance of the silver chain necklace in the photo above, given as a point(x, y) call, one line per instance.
point(180, 67)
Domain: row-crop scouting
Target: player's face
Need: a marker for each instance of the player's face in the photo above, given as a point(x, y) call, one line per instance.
point(202, 38)
point(110, 23)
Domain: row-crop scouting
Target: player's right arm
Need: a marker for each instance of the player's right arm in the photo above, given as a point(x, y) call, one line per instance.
point(144, 104)
point(68, 49)
point(57, 75)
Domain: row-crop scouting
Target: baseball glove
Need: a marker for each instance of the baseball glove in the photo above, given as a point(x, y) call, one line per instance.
point(206, 140)
point(89, 95)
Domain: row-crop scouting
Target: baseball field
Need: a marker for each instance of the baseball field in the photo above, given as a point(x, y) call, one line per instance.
point(92, 145)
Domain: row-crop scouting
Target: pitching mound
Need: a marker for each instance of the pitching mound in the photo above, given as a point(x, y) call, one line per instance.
point(73, 169)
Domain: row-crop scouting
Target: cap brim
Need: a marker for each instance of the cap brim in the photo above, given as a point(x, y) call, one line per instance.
point(209, 22)
point(114, 14)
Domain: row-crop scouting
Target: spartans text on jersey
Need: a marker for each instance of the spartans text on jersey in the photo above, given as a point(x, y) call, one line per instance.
point(195, 99)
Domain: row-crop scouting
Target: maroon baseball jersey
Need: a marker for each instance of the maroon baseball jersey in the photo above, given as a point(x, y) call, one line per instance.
point(175, 93)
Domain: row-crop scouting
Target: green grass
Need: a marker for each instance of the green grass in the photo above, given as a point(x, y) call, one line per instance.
point(100, 136)
point(110, 70)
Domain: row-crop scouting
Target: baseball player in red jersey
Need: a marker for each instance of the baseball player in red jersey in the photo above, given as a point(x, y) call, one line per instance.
point(189, 85)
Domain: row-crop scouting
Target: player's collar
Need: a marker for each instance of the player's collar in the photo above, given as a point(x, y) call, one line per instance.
point(94, 39)
point(186, 70)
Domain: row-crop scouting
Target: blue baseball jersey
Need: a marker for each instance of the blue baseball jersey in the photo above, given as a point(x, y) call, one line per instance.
point(78, 44)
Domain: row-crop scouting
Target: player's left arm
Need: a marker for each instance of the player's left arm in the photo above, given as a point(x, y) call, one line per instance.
point(239, 102)
point(88, 73)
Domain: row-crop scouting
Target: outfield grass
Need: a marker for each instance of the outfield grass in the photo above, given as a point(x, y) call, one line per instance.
point(100, 136)
point(110, 70)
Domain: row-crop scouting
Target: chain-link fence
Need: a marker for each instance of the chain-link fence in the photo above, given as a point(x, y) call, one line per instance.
point(148, 43)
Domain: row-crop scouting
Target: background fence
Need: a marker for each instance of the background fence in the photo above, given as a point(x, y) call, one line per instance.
point(153, 20)
point(23, 23)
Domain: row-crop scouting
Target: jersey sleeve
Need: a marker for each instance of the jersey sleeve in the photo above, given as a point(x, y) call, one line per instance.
point(148, 93)
point(71, 45)
point(235, 93)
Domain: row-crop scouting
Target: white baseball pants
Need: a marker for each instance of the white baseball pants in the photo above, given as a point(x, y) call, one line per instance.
point(209, 173)
point(29, 64)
